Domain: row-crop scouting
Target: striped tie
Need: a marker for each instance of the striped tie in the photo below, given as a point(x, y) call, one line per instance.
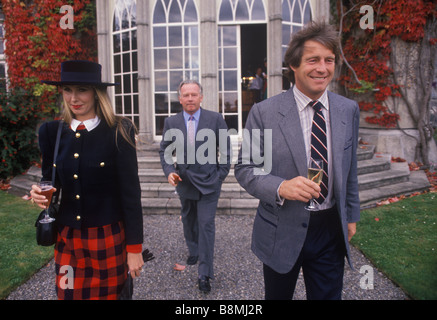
point(319, 149)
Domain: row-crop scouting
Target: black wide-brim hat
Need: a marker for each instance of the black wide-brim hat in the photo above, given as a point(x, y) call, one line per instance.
point(80, 72)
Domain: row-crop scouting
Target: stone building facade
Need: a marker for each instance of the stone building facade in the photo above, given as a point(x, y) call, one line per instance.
point(149, 46)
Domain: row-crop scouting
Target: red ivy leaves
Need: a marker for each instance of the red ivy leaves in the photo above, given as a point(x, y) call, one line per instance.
point(36, 44)
point(369, 51)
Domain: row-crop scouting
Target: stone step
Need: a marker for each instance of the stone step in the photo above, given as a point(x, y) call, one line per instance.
point(157, 175)
point(399, 173)
point(165, 190)
point(417, 182)
point(365, 152)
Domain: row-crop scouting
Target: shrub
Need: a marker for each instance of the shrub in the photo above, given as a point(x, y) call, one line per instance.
point(19, 117)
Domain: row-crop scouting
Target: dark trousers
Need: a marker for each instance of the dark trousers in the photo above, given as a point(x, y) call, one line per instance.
point(198, 219)
point(321, 260)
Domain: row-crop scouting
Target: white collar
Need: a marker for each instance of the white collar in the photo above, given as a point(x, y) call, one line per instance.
point(89, 124)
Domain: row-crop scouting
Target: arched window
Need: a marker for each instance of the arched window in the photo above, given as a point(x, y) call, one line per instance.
point(175, 54)
point(125, 55)
point(241, 10)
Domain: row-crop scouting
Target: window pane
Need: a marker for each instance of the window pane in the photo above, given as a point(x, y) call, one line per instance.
point(174, 103)
point(191, 36)
point(160, 56)
point(307, 13)
point(117, 64)
point(126, 41)
point(258, 10)
point(176, 58)
point(230, 101)
point(126, 62)
point(286, 11)
point(230, 80)
point(175, 13)
point(134, 40)
point(175, 36)
point(133, 14)
point(136, 109)
point(176, 78)
point(230, 57)
point(159, 37)
point(161, 101)
point(127, 84)
point(159, 125)
point(230, 36)
point(297, 17)
point(134, 61)
point(116, 39)
point(117, 79)
point(190, 12)
point(226, 11)
point(161, 81)
point(242, 13)
point(116, 22)
point(135, 82)
point(127, 105)
point(286, 34)
point(118, 105)
point(191, 58)
point(159, 13)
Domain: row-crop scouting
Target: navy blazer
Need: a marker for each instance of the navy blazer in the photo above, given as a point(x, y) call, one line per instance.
point(197, 178)
point(97, 172)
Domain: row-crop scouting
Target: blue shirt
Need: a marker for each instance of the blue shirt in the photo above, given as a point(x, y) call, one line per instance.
point(196, 116)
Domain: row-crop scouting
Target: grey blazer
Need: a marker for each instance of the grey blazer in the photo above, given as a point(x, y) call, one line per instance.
point(197, 178)
point(279, 231)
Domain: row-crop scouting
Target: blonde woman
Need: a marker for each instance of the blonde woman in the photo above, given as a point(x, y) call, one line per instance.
point(100, 224)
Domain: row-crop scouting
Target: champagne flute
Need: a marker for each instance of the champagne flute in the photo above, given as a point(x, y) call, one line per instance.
point(176, 181)
point(47, 191)
point(315, 173)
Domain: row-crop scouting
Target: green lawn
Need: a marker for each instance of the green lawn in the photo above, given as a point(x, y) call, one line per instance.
point(400, 239)
point(20, 256)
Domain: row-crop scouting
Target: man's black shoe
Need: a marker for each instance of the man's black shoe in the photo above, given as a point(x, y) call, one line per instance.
point(192, 260)
point(204, 285)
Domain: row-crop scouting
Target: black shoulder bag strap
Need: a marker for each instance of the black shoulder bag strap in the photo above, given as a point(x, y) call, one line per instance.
point(55, 155)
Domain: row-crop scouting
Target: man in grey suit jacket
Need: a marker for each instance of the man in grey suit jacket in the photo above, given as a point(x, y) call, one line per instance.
point(198, 173)
point(287, 237)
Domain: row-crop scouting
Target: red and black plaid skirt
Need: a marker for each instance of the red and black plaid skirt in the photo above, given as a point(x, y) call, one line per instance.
point(90, 263)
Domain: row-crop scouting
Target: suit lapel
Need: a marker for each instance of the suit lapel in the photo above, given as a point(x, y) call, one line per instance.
point(338, 129)
point(292, 131)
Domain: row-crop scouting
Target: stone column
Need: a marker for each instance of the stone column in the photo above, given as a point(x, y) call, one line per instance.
point(274, 47)
point(103, 37)
point(145, 97)
point(208, 53)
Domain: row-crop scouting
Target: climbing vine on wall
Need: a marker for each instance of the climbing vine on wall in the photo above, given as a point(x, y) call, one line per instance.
point(368, 51)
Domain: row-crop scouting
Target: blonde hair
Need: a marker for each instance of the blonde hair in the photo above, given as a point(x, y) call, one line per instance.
point(105, 111)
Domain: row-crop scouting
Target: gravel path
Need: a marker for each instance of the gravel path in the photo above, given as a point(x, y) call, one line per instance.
point(238, 273)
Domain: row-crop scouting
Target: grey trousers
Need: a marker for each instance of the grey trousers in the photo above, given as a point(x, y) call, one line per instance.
point(198, 219)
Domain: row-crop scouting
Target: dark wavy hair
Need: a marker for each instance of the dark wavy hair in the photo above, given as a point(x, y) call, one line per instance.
point(323, 33)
